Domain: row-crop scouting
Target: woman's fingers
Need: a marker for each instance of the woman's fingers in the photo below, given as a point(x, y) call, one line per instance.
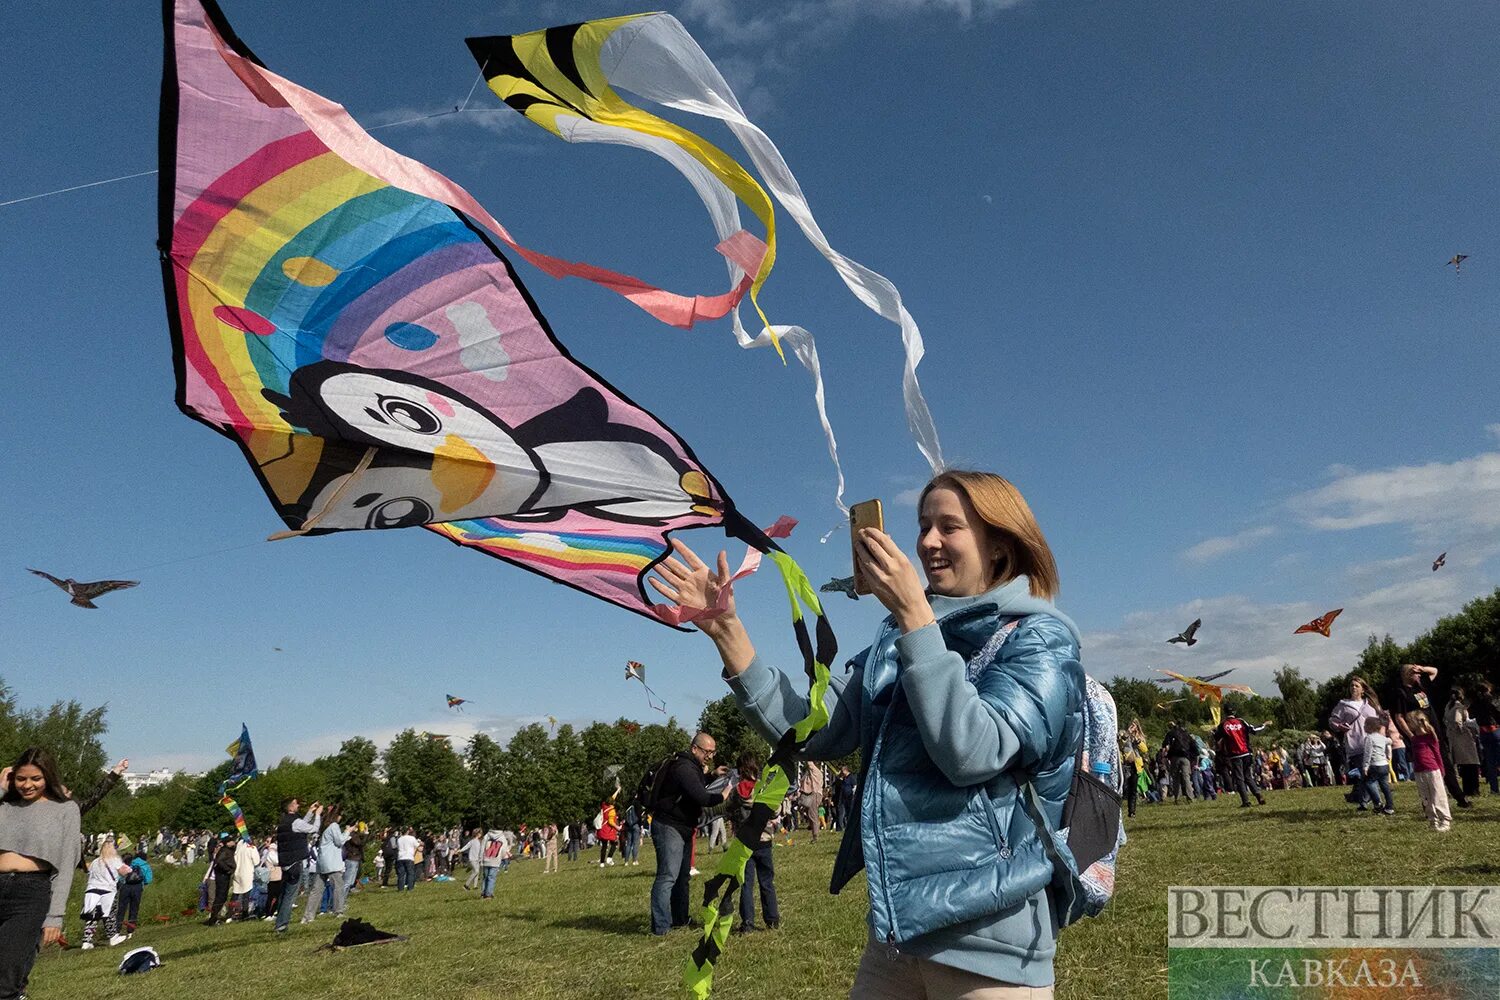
point(688, 554)
point(670, 593)
point(723, 568)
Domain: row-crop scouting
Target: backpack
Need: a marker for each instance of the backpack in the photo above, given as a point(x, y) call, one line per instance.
point(649, 788)
point(492, 848)
point(599, 820)
point(139, 960)
point(143, 869)
point(1085, 850)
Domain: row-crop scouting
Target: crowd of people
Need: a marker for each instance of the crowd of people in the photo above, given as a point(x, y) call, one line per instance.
point(1366, 747)
point(960, 735)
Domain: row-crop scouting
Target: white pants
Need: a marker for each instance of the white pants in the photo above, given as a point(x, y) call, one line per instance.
point(1434, 798)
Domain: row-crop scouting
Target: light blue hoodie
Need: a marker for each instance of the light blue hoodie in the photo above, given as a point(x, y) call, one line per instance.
point(955, 870)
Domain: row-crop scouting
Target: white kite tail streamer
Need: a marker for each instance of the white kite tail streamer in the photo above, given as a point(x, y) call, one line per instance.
point(655, 58)
point(724, 210)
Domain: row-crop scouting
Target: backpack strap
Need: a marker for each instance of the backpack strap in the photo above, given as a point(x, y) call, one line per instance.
point(987, 653)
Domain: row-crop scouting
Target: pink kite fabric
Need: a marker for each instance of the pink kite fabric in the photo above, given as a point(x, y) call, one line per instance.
point(342, 135)
point(339, 313)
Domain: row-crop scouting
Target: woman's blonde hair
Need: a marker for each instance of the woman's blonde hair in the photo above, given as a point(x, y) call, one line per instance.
point(1001, 506)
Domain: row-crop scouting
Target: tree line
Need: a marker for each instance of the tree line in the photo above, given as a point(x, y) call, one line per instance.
point(539, 778)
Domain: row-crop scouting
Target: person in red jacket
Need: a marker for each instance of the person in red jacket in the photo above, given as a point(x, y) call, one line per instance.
point(1233, 736)
point(609, 833)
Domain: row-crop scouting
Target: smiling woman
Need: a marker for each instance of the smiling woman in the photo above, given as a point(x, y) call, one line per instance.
point(971, 690)
point(39, 844)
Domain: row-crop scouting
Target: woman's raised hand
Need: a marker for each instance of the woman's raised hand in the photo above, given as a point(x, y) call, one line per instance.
point(893, 579)
point(689, 583)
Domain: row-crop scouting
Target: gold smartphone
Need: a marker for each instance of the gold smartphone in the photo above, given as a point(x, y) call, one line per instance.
point(863, 515)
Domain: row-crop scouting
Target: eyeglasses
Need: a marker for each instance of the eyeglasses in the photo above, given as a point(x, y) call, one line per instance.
point(705, 749)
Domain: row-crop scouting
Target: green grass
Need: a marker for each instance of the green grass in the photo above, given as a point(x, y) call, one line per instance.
point(583, 932)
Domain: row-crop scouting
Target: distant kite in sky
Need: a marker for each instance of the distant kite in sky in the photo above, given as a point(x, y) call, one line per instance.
point(840, 585)
point(1203, 689)
point(1321, 625)
point(83, 594)
point(1440, 562)
point(435, 737)
point(635, 671)
point(342, 313)
point(568, 80)
point(1457, 263)
point(456, 703)
point(1187, 634)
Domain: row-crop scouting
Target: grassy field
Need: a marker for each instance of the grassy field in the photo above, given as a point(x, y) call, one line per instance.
point(583, 932)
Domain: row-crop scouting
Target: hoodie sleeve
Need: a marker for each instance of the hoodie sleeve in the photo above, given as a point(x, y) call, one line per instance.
point(772, 705)
point(1015, 717)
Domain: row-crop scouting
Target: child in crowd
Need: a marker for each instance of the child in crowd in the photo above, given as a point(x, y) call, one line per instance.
point(105, 872)
point(1377, 766)
point(1427, 759)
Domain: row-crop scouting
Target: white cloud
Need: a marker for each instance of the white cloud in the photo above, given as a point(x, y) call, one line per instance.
point(1438, 495)
point(1255, 638)
point(1213, 548)
point(908, 497)
point(779, 32)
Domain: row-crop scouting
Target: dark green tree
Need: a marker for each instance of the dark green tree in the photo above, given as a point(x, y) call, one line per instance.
point(486, 764)
point(351, 781)
point(426, 785)
point(525, 794)
point(1299, 701)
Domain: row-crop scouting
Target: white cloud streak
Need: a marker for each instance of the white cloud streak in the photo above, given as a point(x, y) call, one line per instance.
point(1255, 638)
point(1425, 498)
point(1213, 548)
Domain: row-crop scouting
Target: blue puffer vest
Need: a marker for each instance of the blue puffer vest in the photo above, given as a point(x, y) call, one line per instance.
point(937, 854)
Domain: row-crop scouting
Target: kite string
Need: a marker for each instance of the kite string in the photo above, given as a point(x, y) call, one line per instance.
point(151, 173)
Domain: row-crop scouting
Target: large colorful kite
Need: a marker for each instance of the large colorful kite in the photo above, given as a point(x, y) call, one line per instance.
point(567, 79)
point(340, 314)
point(1204, 689)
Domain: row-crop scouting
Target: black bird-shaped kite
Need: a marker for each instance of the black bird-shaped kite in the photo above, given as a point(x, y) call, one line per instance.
point(1457, 263)
point(83, 594)
point(840, 585)
point(1439, 562)
point(1187, 634)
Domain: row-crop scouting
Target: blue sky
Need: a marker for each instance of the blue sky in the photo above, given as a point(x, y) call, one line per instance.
point(1179, 268)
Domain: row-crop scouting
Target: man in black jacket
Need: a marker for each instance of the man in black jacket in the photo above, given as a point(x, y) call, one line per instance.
point(677, 799)
point(1183, 754)
point(291, 852)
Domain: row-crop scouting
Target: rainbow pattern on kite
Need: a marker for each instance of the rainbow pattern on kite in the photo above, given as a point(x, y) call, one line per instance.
point(343, 314)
